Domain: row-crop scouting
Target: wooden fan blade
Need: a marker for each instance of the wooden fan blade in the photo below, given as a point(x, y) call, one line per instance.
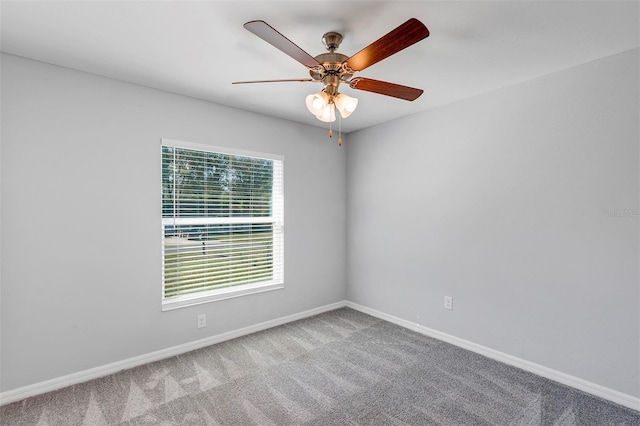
point(402, 37)
point(274, 38)
point(385, 88)
point(299, 80)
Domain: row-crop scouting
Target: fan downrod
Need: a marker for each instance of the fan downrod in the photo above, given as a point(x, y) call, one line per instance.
point(332, 40)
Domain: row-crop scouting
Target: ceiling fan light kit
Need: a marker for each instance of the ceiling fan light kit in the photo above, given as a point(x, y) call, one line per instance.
point(333, 68)
point(323, 106)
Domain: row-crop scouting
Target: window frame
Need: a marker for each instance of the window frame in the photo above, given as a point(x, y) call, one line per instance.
point(277, 218)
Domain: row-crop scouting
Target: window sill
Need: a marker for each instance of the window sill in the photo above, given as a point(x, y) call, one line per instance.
point(216, 295)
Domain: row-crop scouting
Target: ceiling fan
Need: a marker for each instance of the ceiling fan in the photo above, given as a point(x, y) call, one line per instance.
point(333, 68)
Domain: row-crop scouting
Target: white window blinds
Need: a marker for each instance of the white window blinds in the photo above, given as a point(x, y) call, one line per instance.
point(222, 219)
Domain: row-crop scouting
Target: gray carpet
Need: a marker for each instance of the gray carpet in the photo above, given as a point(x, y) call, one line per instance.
point(339, 368)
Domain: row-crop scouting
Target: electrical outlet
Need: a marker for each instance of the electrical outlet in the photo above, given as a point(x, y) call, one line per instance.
point(202, 320)
point(448, 302)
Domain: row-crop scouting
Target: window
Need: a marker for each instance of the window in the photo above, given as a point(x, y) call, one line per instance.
point(222, 221)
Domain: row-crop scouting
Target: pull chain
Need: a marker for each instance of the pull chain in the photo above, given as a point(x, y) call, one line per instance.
point(339, 130)
point(331, 110)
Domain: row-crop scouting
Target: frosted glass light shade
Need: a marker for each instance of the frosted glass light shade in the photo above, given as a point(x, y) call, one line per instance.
point(328, 114)
point(317, 102)
point(345, 104)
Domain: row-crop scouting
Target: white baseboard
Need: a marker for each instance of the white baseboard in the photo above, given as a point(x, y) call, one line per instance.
point(94, 373)
point(549, 373)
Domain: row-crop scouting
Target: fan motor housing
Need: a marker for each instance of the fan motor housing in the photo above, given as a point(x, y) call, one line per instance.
point(332, 62)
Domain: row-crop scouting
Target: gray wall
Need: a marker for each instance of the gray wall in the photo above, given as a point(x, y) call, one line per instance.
point(81, 236)
point(501, 202)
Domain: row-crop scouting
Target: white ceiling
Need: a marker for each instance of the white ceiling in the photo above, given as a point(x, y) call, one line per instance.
point(197, 48)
